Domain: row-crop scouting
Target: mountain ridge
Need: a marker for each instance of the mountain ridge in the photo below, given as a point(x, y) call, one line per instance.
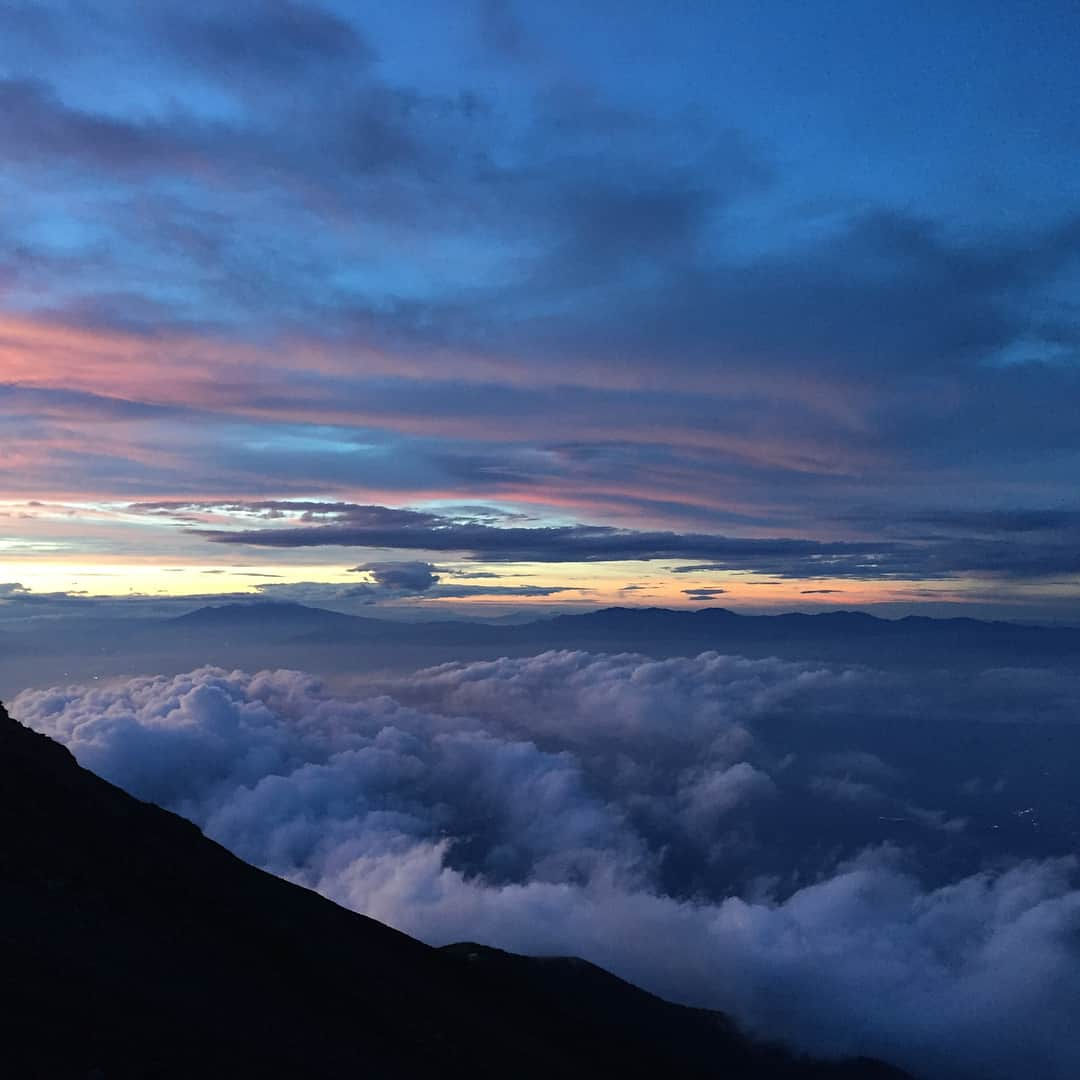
point(136, 947)
point(246, 611)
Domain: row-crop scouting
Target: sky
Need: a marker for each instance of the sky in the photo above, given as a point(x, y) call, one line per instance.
point(492, 306)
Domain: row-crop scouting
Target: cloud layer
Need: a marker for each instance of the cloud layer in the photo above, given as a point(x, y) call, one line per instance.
point(1019, 546)
point(266, 253)
point(634, 812)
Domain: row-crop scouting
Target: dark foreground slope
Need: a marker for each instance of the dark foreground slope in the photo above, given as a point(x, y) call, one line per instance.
point(132, 946)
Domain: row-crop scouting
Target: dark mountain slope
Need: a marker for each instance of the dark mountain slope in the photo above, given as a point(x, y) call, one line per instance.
point(613, 1008)
point(132, 946)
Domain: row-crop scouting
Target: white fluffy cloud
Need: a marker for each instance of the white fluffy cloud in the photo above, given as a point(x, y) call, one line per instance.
point(555, 804)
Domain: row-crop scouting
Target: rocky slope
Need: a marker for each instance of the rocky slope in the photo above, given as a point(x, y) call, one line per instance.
point(132, 946)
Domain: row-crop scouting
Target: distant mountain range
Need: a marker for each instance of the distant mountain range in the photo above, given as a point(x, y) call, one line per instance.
point(266, 634)
point(663, 631)
point(132, 946)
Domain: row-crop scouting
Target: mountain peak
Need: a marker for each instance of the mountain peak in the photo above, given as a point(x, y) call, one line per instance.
point(246, 610)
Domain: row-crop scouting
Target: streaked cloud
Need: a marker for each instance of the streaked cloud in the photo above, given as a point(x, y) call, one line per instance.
point(265, 253)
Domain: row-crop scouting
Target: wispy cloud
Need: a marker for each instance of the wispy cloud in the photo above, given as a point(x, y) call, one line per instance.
point(260, 253)
point(359, 526)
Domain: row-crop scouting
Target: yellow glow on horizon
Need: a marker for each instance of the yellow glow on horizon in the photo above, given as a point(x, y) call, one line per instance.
point(149, 577)
point(625, 584)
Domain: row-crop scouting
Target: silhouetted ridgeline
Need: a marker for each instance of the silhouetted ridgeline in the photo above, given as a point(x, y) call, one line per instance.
point(266, 634)
point(849, 635)
point(136, 947)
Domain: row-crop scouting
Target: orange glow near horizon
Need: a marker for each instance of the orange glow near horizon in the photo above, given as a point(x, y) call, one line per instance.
point(635, 584)
point(86, 433)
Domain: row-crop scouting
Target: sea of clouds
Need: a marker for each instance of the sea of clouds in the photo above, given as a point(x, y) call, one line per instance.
point(685, 823)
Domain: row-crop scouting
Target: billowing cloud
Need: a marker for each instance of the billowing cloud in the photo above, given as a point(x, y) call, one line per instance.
point(626, 810)
point(398, 578)
point(412, 579)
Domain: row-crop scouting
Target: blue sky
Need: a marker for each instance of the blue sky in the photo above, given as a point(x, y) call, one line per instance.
point(694, 274)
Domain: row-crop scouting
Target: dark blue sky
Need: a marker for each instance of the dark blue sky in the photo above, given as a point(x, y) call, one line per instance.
point(653, 286)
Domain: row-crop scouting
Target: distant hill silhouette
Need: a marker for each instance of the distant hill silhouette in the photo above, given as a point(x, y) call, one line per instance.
point(722, 628)
point(268, 634)
point(847, 636)
point(291, 619)
point(132, 946)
